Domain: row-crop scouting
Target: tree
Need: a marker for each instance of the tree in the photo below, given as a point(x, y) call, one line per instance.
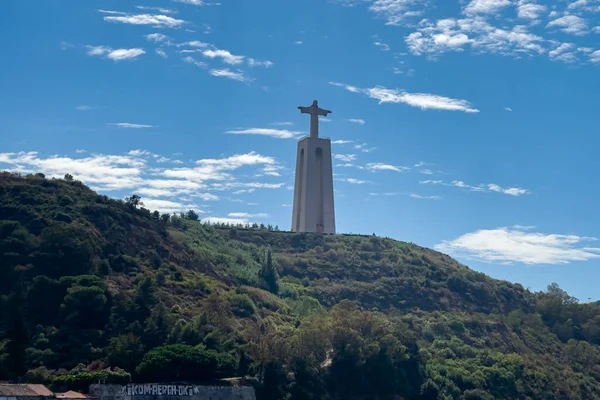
point(180, 362)
point(134, 201)
point(68, 177)
point(125, 352)
point(192, 215)
point(269, 273)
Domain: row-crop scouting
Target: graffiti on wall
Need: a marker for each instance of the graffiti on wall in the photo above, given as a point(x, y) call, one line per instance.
point(156, 389)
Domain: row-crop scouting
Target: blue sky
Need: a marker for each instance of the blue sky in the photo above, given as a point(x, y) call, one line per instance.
point(469, 127)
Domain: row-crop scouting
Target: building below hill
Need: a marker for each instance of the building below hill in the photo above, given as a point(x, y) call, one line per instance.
point(35, 392)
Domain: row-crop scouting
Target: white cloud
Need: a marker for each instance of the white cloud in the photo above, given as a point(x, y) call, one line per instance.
point(139, 153)
point(125, 54)
point(247, 215)
point(349, 88)
point(584, 6)
point(420, 164)
point(426, 172)
point(194, 43)
point(357, 121)
point(423, 101)
point(283, 123)
point(156, 20)
point(158, 38)
point(362, 147)
point(354, 181)
point(84, 108)
point(128, 125)
point(111, 12)
point(298, 42)
point(242, 191)
point(435, 38)
point(197, 2)
point(564, 52)
point(276, 133)
point(418, 196)
point(490, 187)
point(342, 141)
point(595, 57)
point(159, 9)
point(507, 245)
point(486, 6)
point(225, 55)
point(255, 63)
point(217, 169)
point(530, 10)
point(226, 73)
point(66, 45)
point(167, 206)
point(386, 167)
point(507, 109)
point(115, 55)
point(383, 46)
point(571, 24)
point(80, 151)
point(345, 157)
point(108, 171)
point(161, 53)
point(398, 12)
point(192, 60)
point(133, 172)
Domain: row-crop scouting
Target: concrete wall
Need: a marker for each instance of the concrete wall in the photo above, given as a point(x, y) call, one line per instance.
point(160, 391)
point(314, 209)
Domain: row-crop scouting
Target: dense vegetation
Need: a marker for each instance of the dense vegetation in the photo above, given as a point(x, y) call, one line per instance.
point(95, 288)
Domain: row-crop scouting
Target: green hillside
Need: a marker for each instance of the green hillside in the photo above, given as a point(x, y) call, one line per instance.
point(96, 288)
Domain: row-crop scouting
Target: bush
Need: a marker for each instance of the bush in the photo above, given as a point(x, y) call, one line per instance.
point(242, 305)
point(180, 362)
point(82, 380)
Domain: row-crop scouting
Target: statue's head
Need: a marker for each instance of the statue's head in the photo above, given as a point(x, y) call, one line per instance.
point(315, 103)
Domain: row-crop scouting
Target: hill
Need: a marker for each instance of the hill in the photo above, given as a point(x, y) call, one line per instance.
point(96, 288)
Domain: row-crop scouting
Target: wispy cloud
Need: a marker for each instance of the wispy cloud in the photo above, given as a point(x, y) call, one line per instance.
point(571, 24)
point(156, 20)
point(418, 196)
point(507, 109)
point(129, 125)
point(514, 244)
point(161, 53)
point(485, 6)
point(424, 101)
point(490, 187)
point(193, 61)
point(345, 157)
point(84, 108)
point(283, 123)
point(135, 172)
point(354, 181)
point(276, 133)
point(341, 141)
point(298, 42)
point(386, 167)
point(158, 9)
point(224, 55)
point(357, 121)
point(168, 206)
point(247, 215)
point(198, 2)
point(227, 73)
point(115, 55)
